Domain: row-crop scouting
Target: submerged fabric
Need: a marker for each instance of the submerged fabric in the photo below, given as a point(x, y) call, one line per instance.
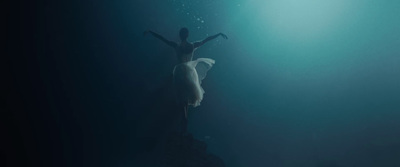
point(187, 80)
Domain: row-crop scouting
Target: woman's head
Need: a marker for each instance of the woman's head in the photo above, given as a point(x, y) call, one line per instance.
point(183, 33)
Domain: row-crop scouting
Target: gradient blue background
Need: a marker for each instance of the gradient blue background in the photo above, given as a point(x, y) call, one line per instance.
point(298, 83)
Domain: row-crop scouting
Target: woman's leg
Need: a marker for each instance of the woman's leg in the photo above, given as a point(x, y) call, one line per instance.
point(186, 110)
point(185, 120)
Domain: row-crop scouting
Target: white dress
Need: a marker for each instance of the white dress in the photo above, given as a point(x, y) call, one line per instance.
point(188, 77)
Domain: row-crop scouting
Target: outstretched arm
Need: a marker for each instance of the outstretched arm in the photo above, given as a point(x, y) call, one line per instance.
point(198, 44)
point(169, 43)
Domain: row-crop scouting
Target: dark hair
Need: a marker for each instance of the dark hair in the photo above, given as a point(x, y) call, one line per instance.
point(184, 33)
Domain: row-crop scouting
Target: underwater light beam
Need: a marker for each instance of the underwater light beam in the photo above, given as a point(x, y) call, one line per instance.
point(300, 19)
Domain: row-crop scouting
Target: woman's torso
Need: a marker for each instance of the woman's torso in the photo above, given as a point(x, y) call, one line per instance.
point(184, 52)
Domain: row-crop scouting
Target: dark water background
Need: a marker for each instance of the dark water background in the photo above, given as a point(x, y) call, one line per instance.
point(312, 83)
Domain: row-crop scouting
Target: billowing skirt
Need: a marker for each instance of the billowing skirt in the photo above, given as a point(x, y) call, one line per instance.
point(187, 80)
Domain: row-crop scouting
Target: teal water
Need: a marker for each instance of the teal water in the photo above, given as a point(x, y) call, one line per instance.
point(310, 83)
point(298, 83)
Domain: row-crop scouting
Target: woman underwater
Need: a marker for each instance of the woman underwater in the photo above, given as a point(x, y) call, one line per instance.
point(188, 73)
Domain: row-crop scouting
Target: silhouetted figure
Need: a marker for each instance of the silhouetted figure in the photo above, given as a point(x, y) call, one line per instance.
point(188, 73)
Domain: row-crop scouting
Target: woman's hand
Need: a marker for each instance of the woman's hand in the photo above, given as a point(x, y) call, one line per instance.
point(223, 36)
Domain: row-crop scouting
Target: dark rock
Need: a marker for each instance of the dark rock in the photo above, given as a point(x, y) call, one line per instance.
point(174, 147)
